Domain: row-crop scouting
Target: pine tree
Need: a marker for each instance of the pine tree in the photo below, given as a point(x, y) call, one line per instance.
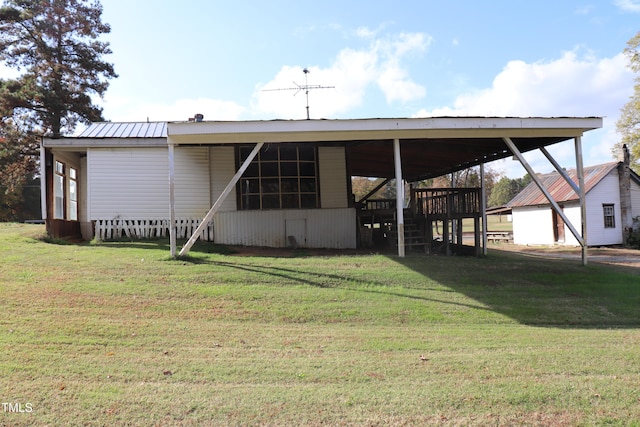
point(54, 43)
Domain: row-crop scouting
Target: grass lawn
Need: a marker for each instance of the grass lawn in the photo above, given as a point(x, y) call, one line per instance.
point(120, 334)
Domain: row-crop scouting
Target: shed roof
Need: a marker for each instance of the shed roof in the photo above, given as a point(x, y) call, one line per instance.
point(559, 188)
point(125, 130)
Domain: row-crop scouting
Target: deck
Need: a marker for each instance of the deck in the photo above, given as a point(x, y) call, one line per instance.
point(428, 209)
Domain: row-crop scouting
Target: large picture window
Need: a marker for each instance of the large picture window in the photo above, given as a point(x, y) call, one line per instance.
point(281, 176)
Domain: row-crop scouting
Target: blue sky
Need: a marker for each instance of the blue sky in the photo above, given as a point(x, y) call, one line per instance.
point(398, 58)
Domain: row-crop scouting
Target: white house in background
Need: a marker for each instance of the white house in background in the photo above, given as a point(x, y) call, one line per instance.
point(612, 201)
point(151, 179)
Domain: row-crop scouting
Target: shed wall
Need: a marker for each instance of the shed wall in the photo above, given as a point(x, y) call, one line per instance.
point(532, 225)
point(606, 192)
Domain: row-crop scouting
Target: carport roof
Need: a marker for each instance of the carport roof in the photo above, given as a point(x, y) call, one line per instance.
point(430, 147)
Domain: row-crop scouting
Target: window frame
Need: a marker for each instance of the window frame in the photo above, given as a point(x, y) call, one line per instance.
point(65, 191)
point(609, 215)
point(59, 190)
point(281, 176)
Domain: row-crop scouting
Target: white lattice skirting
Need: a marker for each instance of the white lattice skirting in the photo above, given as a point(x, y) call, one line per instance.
point(113, 229)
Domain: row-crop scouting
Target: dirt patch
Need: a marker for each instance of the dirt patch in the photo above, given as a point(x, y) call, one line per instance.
point(614, 255)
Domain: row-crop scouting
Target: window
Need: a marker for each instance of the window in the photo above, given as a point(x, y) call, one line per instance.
point(609, 218)
point(65, 192)
point(73, 194)
point(281, 176)
point(58, 191)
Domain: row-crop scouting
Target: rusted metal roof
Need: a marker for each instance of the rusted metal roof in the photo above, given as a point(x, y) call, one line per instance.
point(559, 189)
point(125, 130)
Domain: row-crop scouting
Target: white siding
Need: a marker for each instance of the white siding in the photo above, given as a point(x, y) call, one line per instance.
point(606, 192)
point(133, 183)
point(635, 199)
point(574, 215)
point(128, 183)
point(324, 228)
point(333, 177)
point(223, 168)
point(193, 195)
point(532, 226)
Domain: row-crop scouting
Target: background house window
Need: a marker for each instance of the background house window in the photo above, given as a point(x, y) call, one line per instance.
point(58, 190)
point(609, 218)
point(282, 176)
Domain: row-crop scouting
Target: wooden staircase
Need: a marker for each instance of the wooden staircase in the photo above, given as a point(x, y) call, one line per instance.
point(414, 236)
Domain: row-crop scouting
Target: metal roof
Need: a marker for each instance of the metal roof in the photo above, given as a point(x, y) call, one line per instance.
point(125, 130)
point(559, 189)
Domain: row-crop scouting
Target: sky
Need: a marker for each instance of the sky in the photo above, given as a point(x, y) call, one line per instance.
point(401, 58)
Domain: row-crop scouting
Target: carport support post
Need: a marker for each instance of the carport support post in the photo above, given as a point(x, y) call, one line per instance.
point(172, 201)
point(230, 186)
point(483, 210)
point(583, 198)
point(546, 193)
point(399, 196)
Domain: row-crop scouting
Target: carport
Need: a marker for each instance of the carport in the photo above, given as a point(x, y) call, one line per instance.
point(407, 149)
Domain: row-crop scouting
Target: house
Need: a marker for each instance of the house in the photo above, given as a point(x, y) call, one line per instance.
point(270, 183)
point(612, 192)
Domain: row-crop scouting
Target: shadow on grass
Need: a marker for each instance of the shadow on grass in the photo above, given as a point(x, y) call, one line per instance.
point(531, 290)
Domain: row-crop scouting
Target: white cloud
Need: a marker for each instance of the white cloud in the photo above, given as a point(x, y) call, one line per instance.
point(351, 73)
point(121, 109)
point(628, 5)
point(571, 85)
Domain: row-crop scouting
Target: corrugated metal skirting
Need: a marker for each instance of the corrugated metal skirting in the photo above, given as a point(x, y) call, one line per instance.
point(323, 228)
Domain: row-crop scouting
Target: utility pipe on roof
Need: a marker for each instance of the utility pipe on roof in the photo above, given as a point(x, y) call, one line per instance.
point(544, 190)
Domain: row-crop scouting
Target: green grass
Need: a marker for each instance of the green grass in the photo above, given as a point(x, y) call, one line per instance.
point(120, 334)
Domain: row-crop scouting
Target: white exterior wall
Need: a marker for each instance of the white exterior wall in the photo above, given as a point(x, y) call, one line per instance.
point(223, 168)
point(635, 199)
point(133, 183)
point(606, 192)
point(532, 225)
point(333, 177)
point(313, 228)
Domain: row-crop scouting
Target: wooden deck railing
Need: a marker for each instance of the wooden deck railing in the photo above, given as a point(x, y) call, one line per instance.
point(446, 202)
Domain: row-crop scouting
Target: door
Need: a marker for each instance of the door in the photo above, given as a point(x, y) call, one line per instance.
point(558, 226)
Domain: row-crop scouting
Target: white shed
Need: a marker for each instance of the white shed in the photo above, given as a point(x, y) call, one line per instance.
point(612, 200)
